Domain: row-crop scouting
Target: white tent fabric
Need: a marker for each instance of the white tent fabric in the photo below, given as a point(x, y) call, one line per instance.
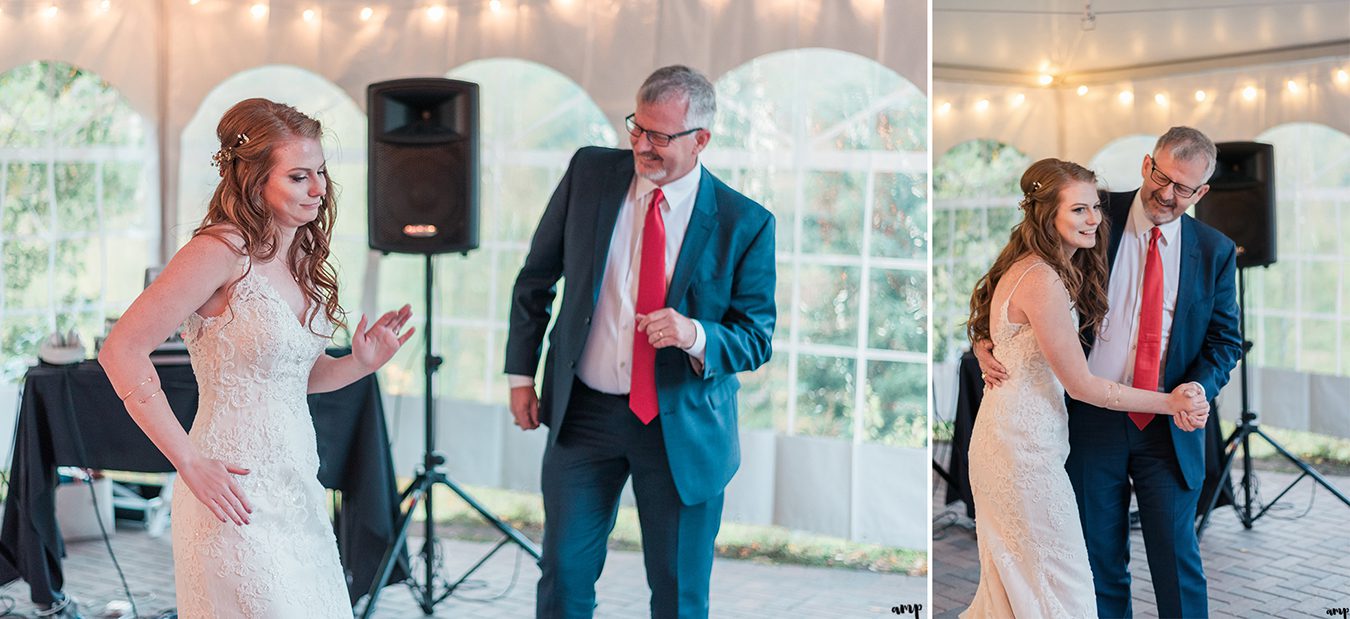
point(166, 56)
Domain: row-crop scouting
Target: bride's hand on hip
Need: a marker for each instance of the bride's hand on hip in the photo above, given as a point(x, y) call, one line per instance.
point(213, 483)
point(373, 347)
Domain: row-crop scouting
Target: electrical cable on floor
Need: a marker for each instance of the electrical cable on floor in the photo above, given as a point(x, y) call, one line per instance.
point(107, 542)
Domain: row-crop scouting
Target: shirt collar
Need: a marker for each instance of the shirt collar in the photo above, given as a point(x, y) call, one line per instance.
point(678, 192)
point(1139, 225)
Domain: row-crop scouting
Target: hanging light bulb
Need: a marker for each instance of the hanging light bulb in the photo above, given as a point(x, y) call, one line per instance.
point(1160, 99)
point(1125, 96)
point(1249, 93)
point(1342, 77)
point(1045, 79)
point(50, 11)
point(944, 107)
point(367, 13)
point(435, 12)
point(1082, 90)
point(1200, 96)
point(258, 10)
point(981, 105)
point(495, 5)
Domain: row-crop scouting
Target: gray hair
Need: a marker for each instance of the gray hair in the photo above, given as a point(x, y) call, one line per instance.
point(1187, 144)
point(678, 82)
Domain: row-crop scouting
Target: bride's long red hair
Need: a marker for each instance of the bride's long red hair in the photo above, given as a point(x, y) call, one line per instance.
point(237, 206)
point(1084, 275)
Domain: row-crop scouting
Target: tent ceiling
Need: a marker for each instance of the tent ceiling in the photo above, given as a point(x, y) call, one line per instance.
point(1048, 35)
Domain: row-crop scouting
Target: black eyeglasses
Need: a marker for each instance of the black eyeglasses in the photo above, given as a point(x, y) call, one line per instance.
point(1163, 180)
point(655, 137)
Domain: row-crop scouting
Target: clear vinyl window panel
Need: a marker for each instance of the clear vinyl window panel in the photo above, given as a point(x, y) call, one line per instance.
point(78, 207)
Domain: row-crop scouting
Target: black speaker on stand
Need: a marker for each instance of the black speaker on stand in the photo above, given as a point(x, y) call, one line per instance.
point(423, 199)
point(1241, 204)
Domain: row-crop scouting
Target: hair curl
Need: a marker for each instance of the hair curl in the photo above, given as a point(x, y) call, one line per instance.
point(1084, 275)
point(237, 207)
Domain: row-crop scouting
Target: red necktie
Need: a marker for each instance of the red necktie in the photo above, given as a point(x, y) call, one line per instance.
point(651, 297)
point(1148, 347)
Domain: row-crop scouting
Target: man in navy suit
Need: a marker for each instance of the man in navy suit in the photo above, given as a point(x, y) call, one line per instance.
point(1110, 452)
point(669, 292)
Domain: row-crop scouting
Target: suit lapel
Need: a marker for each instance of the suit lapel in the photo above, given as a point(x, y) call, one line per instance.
point(1120, 217)
point(1186, 283)
point(701, 224)
point(617, 180)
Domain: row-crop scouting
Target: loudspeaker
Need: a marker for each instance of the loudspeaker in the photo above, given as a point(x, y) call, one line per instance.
point(1241, 200)
point(423, 171)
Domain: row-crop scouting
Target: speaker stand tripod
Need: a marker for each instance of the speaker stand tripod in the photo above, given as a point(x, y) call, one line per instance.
point(429, 475)
point(1249, 426)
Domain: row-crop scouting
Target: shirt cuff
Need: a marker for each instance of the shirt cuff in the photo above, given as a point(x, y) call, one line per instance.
point(519, 380)
point(697, 350)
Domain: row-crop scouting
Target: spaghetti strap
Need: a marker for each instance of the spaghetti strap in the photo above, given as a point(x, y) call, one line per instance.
point(1038, 263)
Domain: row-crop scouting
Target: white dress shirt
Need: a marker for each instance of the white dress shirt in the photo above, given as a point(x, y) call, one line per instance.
point(1112, 356)
point(606, 362)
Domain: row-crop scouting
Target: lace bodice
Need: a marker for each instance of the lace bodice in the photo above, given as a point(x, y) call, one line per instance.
point(252, 365)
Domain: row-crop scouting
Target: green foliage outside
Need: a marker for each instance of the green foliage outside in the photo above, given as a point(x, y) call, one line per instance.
point(76, 171)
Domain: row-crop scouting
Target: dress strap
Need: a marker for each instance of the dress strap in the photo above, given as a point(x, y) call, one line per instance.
point(1038, 263)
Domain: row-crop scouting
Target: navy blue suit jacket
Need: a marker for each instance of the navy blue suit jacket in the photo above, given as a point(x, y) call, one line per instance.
point(724, 278)
point(1204, 344)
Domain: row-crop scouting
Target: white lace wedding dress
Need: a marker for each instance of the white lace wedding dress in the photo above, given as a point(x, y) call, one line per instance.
point(1033, 560)
point(252, 365)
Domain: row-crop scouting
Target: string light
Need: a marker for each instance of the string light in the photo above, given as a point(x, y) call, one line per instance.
point(194, 2)
point(1249, 93)
point(308, 15)
point(1125, 97)
point(1018, 99)
point(366, 13)
point(104, 6)
point(944, 107)
point(50, 11)
point(1200, 96)
point(1342, 77)
point(1082, 90)
point(258, 10)
point(1160, 99)
point(981, 105)
point(495, 5)
point(1045, 79)
point(1292, 86)
point(435, 12)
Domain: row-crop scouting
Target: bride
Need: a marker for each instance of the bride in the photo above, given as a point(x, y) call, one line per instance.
point(1050, 276)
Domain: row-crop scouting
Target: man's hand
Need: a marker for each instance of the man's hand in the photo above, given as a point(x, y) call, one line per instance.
point(991, 370)
point(525, 407)
point(666, 327)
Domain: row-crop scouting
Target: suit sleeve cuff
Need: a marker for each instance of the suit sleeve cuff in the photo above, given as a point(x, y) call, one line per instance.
point(519, 380)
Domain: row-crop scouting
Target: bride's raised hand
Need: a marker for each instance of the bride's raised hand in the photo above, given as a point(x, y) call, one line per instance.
point(213, 483)
point(374, 347)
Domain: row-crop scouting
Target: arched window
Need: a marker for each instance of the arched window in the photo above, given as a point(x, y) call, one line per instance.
point(78, 188)
point(836, 146)
point(344, 145)
point(1298, 312)
point(531, 120)
point(975, 197)
point(1117, 164)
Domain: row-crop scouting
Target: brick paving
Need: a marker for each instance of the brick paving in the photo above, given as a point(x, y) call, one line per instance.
point(740, 589)
point(1288, 565)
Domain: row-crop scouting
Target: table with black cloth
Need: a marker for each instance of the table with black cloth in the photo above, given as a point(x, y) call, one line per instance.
point(970, 390)
point(70, 416)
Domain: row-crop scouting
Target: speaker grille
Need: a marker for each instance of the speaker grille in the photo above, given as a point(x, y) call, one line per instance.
point(423, 165)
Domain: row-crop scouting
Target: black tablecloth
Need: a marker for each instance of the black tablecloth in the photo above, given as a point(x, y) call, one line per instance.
point(971, 390)
point(70, 416)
